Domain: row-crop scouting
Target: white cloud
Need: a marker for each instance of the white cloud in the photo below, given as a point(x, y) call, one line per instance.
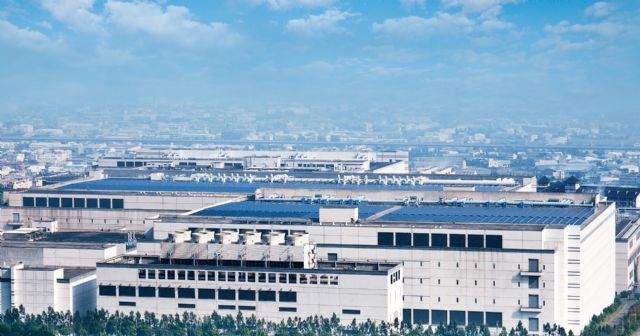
point(318, 25)
point(599, 9)
point(410, 4)
point(76, 13)
point(477, 6)
point(606, 28)
point(173, 23)
point(288, 4)
point(25, 37)
point(413, 26)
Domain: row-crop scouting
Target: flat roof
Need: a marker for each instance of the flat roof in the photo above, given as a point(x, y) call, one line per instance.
point(131, 184)
point(489, 213)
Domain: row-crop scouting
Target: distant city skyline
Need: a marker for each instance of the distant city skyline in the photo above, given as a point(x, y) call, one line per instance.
point(469, 58)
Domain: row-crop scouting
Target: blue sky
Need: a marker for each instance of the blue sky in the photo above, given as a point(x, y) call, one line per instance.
point(463, 57)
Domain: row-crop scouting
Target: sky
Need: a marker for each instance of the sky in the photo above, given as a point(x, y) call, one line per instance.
point(504, 58)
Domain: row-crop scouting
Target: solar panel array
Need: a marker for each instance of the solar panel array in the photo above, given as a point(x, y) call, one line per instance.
point(117, 184)
point(279, 209)
point(480, 214)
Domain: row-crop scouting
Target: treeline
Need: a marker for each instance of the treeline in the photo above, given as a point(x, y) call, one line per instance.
point(101, 323)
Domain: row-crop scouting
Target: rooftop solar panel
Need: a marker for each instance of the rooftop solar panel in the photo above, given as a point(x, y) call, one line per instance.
point(117, 184)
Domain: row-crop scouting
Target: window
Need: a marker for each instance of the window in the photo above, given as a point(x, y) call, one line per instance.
point(78, 202)
point(288, 309)
point(493, 319)
point(403, 239)
point(534, 265)
point(272, 278)
point(262, 277)
point(250, 308)
point(288, 296)
point(151, 274)
point(202, 276)
point(406, 316)
point(247, 295)
point(251, 277)
point(292, 278)
point(171, 275)
point(457, 240)
point(105, 203)
point(226, 294)
point(161, 274)
point(421, 239)
point(476, 318)
point(533, 324)
point(181, 275)
point(107, 290)
point(144, 291)
point(206, 294)
point(421, 316)
point(28, 201)
point(142, 274)
point(186, 305)
point(127, 304)
point(332, 256)
point(186, 293)
point(191, 275)
point(126, 291)
point(475, 241)
point(438, 317)
point(385, 238)
point(166, 292)
point(439, 240)
point(351, 311)
point(117, 203)
point(533, 282)
point(41, 202)
point(266, 295)
point(534, 301)
point(92, 203)
point(226, 307)
point(54, 202)
point(282, 278)
point(211, 275)
point(494, 242)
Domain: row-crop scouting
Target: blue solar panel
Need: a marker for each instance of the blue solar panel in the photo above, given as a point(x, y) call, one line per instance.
point(116, 184)
point(279, 209)
point(473, 214)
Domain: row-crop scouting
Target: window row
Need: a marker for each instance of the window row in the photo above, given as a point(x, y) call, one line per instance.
point(130, 164)
point(223, 276)
point(459, 317)
point(68, 202)
point(439, 240)
point(395, 276)
point(197, 293)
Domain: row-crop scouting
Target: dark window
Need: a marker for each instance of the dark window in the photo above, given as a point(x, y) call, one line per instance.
point(250, 308)
point(107, 290)
point(292, 278)
point(105, 203)
point(266, 295)
point(227, 294)
point(251, 277)
point(120, 164)
point(272, 278)
point(475, 241)
point(151, 274)
point(403, 239)
point(406, 316)
point(421, 316)
point(458, 317)
point(247, 295)
point(138, 163)
point(171, 275)
point(351, 311)
point(494, 242)
point(202, 276)
point(126, 291)
point(127, 304)
point(117, 203)
point(282, 277)
point(385, 238)
point(92, 203)
point(146, 291)
point(78, 202)
point(186, 293)
point(457, 240)
point(161, 274)
point(332, 256)
point(288, 309)
point(28, 201)
point(41, 201)
point(181, 275)
point(186, 305)
point(226, 307)
point(262, 277)
point(129, 164)
point(493, 319)
point(439, 240)
point(438, 317)
point(534, 265)
point(534, 324)
point(166, 292)
point(54, 202)
point(421, 239)
point(288, 296)
point(476, 318)
point(533, 282)
point(534, 301)
point(191, 275)
point(67, 202)
point(207, 294)
point(142, 274)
